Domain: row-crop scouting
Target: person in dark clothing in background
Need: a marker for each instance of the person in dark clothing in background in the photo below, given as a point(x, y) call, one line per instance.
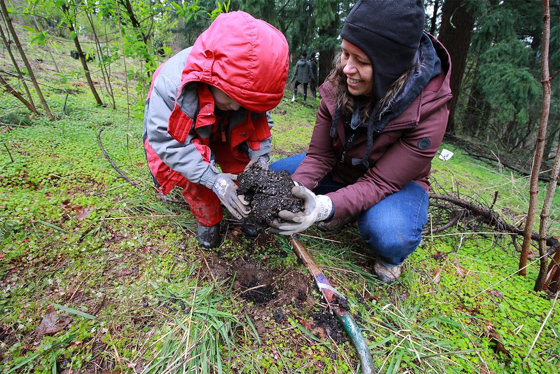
point(302, 74)
point(381, 120)
point(314, 75)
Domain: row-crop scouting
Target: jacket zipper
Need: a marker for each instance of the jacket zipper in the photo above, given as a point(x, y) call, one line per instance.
point(348, 145)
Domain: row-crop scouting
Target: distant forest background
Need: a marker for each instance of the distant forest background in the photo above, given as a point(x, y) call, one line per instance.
point(495, 48)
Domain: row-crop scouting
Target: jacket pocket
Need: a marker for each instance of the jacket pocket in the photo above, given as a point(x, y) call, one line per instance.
point(253, 131)
point(179, 124)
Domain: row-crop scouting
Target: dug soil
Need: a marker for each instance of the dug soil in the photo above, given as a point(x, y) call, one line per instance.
point(273, 294)
point(274, 297)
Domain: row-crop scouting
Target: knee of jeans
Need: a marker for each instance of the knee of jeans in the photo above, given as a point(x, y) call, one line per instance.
point(392, 246)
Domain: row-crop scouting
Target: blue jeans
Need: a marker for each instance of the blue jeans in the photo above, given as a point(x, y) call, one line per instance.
point(392, 228)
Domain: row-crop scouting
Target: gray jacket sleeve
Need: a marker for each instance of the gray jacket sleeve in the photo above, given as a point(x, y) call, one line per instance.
point(181, 157)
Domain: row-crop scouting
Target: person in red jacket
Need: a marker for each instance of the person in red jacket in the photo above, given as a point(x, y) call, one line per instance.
point(381, 120)
point(207, 108)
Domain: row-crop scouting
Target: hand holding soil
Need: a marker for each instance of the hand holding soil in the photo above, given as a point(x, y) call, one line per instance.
point(268, 192)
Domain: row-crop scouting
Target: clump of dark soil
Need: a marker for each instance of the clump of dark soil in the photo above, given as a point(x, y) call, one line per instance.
point(256, 292)
point(268, 192)
point(279, 316)
point(326, 324)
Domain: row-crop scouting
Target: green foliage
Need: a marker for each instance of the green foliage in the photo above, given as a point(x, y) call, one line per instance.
point(262, 9)
point(199, 331)
point(504, 78)
point(68, 206)
point(503, 67)
point(494, 26)
point(78, 239)
point(193, 10)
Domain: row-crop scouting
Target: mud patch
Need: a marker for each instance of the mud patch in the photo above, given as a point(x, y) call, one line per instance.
point(262, 286)
point(215, 268)
point(268, 193)
point(275, 295)
point(325, 324)
point(295, 288)
point(254, 283)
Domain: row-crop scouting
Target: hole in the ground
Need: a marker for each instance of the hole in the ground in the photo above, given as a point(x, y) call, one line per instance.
point(253, 282)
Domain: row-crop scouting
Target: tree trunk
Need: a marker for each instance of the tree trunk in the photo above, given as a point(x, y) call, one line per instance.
point(433, 20)
point(134, 21)
point(553, 273)
point(541, 283)
point(537, 159)
point(25, 60)
point(9, 89)
point(29, 100)
point(81, 54)
point(545, 217)
point(325, 65)
point(102, 60)
point(455, 34)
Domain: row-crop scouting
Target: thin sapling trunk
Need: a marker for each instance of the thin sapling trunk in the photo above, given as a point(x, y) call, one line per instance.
point(81, 54)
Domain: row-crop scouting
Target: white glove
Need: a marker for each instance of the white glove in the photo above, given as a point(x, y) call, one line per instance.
point(226, 190)
point(316, 208)
point(261, 161)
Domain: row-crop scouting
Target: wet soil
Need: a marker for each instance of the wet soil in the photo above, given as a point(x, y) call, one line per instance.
point(276, 295)
point(268, 192)
point(254, 282)
point(325, 324)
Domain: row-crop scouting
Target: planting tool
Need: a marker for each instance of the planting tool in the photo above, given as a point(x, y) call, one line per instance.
point(338, 306)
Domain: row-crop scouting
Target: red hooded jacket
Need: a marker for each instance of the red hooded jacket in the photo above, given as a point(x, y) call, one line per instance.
point(244, 57)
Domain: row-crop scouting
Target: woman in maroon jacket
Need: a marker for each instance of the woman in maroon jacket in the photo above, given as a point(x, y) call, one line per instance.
point(382, 117)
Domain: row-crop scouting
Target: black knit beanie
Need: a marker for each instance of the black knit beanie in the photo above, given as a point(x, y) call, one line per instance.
point(389, 32)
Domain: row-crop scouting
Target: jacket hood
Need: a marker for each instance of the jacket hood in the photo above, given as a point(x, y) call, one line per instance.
point(244, 57)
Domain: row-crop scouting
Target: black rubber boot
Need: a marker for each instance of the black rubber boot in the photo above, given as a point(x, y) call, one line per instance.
point(208, 236)
point(250, 231)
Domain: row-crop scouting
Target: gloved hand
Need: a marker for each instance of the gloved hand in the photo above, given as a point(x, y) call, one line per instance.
point(226, 190)
point(316, 208)
point(261, 161)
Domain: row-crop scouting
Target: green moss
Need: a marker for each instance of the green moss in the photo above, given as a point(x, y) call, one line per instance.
point(75, 233)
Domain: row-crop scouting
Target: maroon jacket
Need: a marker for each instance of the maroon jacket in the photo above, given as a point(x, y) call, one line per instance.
point(402, 151)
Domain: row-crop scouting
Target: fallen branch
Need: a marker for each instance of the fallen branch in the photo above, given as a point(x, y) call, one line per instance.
point(491, 218)
point(9, 153)
point(123, 175)
point(449, 224)
point(9, 89)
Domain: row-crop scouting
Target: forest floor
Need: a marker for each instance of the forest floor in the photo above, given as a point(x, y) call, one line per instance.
point(99, 275)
